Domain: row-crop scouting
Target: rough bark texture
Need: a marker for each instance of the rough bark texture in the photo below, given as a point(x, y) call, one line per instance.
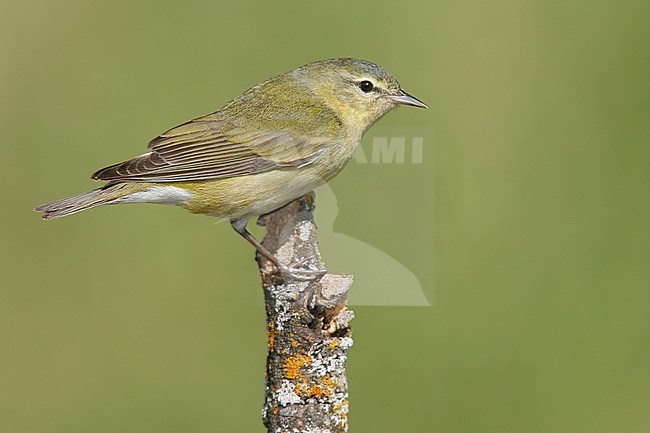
point(308, 329)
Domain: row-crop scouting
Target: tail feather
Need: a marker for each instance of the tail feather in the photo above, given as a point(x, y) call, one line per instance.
point(97, 197)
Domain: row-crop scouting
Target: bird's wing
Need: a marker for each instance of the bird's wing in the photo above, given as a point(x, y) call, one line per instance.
point(211, 149)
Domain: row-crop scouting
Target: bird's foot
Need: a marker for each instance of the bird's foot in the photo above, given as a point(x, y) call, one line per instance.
point(296, 272)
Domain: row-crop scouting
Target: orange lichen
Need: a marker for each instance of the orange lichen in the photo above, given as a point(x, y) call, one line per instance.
point(270, 337)
point(328, 385)
point(315, 390)
point(342, 408)
point(293, 364)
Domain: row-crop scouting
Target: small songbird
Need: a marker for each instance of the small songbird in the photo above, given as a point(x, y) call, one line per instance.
point(272, 144)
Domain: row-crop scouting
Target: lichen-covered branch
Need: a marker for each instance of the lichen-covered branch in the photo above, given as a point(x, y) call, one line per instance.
point(308, 329)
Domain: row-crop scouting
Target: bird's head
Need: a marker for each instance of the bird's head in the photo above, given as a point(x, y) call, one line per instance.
point(360, 92)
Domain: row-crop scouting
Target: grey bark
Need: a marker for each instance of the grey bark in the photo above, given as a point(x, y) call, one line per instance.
point(308, 330)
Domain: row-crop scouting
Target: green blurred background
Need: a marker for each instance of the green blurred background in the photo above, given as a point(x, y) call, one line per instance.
point(533, 197)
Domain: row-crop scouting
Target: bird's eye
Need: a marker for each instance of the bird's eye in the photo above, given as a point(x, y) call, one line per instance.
point(366, 86)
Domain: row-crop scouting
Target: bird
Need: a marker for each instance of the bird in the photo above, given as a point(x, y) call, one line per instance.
point(270, 145)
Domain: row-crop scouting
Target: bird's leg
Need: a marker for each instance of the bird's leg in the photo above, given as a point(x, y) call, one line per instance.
point(239, 224)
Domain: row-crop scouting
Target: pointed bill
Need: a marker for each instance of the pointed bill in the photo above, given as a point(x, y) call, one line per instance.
point(404, 98)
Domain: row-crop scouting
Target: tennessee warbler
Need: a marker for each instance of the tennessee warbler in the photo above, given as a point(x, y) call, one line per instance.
point(272, 144)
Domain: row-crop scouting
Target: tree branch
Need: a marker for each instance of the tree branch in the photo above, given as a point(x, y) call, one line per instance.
point(308, 329)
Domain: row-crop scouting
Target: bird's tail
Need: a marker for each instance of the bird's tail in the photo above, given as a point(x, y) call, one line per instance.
point(97, 197)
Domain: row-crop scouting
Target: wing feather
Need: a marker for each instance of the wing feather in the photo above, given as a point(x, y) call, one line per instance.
point(200, 150)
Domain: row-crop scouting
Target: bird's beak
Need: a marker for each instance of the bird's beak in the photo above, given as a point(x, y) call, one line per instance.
point(403, 98)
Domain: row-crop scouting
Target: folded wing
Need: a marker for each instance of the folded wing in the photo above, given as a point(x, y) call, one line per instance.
point(210, 149)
